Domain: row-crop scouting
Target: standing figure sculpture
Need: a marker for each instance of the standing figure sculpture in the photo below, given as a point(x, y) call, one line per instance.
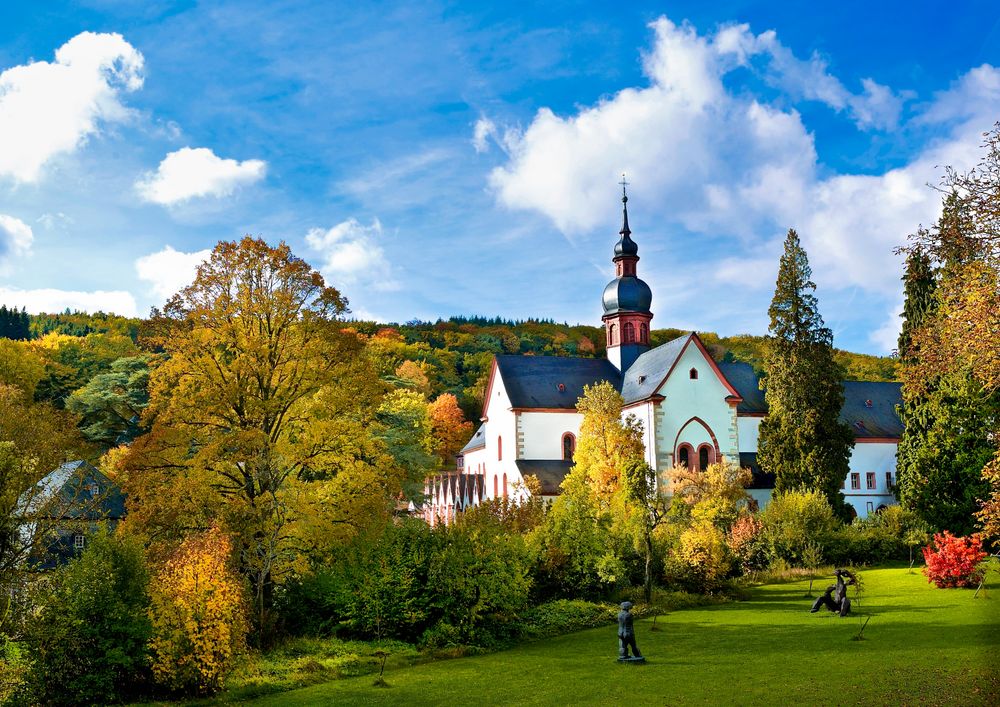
point(839, 601)
point(626, 635)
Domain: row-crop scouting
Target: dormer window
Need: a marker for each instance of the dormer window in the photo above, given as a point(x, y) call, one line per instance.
point(562, 387)
point(642, 379)
point(868, 403)
point(693, 374)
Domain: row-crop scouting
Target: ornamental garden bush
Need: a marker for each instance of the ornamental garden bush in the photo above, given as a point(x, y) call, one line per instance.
point(954, 561)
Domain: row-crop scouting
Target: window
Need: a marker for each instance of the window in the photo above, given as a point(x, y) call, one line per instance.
point(79, 541)
point(693, 374)
point(643, 334)
point(568, 446)
point(612, 335)
point(628, 332)
point(888, 481)
point(870, 479)
point(703, 458)
point(684, 456)
point(496, 486)
point(499, 449)
point(870, 507)
point(855, 481)
point(505, 486)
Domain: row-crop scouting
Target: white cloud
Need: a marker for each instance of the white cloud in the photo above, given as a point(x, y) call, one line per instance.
point(351, 255)
point(51, 108)
point(188, 173)
point(168, 270)
point(51, 300)
point(16, 237)
point(484, 131)
point(737, 169)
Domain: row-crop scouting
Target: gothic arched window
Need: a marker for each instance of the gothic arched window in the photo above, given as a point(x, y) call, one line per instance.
point(693, 374)
point(704, 457)
point(684, 456)
point(628, 333)
point(568, 446)
point(505, 486)
point(499, 449)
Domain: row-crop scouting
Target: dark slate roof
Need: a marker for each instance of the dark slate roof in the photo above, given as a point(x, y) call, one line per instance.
point(75, 490)
point(645, 375)
point(550, 472)
point(760, 480)
point(879, 420)
point(744, 378)
point(533, 381)
point(478, 440)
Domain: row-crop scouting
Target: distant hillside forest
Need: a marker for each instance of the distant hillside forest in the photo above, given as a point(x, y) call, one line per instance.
point(446, 356)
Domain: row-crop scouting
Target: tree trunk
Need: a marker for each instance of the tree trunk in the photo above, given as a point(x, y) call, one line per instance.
point(647, 588)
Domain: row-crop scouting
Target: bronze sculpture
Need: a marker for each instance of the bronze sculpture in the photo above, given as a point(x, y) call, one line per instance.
point(839, 601)
point(626, 636)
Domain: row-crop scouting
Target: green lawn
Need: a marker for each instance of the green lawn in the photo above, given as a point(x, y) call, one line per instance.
point(922, 646)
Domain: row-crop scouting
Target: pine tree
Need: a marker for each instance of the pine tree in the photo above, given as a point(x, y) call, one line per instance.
point(915, 412)
point(802, 440)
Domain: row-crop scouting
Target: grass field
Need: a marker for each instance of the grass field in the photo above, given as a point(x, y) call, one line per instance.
point(922, 646)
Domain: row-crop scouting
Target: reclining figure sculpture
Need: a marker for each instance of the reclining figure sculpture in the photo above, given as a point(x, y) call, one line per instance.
point(839, 602)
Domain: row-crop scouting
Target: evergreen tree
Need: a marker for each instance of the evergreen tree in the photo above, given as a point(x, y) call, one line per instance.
point(915, 412)
point(802, 440)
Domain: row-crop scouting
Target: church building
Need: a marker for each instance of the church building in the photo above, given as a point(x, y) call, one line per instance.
point(694, 411)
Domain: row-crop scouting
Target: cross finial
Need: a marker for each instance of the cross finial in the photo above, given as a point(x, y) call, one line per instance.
point(624, 184)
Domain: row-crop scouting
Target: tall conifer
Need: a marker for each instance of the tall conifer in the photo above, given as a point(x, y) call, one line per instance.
point(802, 440)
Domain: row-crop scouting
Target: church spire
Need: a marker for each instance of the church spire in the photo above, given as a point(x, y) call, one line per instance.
point(625, 247)
point(625, 229)
point(626, 300)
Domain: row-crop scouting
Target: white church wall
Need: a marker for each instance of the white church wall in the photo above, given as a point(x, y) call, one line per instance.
point(749, 432)
point(501, 433)
point(542, 433)
point(878, 458)
point(704, 398)
point(645, 413)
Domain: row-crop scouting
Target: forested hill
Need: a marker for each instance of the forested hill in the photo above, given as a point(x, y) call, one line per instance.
point(450, 355)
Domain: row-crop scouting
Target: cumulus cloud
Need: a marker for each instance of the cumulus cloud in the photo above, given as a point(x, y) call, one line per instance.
point(351, 255)
point(190, 173)
point(52, 300)
point(168, 271)
point(16, 237)
point(736, 168)
point(51, 108)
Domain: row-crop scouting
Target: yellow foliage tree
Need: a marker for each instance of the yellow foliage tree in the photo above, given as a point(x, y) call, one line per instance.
point(449, 428)
point(197, 615)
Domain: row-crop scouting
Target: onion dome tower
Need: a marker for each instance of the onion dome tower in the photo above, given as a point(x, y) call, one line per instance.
point(626, 301)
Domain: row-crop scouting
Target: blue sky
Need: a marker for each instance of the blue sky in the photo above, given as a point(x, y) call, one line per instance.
point(438, 159)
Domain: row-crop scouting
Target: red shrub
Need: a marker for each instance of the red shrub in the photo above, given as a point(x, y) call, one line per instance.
point(953, 561)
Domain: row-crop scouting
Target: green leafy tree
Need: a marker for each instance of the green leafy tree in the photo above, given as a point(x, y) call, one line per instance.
point(111, 404)
point(802, 441)
point(89, 633)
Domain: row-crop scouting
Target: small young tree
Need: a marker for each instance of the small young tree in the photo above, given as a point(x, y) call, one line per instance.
point(641, 490)
point(198, 616)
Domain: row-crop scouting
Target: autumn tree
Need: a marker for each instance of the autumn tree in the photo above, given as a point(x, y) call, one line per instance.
point(962, 339)
point(606, 443)
point(449, 428)
point(254, 345)
point(802, 441)
point(198, 618)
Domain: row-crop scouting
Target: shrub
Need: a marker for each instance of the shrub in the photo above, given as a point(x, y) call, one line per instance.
point(705, 553)
point(198, 616)
point(88, 635)
point(795, 519)
point(748, 543)
point(13, 669)
point(954, 561)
